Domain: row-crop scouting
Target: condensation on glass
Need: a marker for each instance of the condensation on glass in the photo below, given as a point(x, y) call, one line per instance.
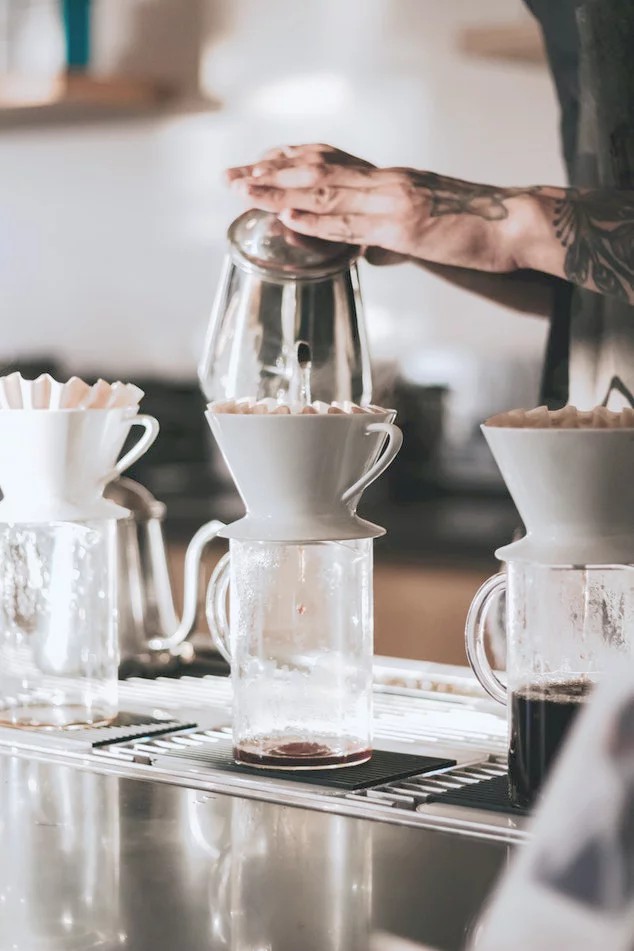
point(58, 624)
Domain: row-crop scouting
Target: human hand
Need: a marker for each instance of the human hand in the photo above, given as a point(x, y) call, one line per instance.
point(392, 213)
point(243, 178)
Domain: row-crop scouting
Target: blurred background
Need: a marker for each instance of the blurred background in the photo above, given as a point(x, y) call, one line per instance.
point(117, 118)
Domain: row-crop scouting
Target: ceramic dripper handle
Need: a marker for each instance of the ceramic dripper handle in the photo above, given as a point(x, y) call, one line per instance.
point(151, 427)
point(217, 607)
point(474, 637)
point(395, 441)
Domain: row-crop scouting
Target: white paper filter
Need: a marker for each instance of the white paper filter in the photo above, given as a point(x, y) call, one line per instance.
point(272, 407)
point(48, 393)
point(567, 418)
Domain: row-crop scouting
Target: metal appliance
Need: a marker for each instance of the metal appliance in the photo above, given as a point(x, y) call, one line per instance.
point(178, 853)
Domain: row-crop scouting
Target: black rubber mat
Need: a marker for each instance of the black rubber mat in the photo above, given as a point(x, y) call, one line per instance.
point(384, 767)
point(490, 794)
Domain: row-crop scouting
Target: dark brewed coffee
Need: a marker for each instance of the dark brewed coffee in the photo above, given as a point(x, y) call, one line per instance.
point(541, 715)
point(298, 755)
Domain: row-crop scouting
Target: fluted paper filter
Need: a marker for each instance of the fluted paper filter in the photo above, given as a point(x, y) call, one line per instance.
point(272, 407)
point(47, 393)
point(567, 418)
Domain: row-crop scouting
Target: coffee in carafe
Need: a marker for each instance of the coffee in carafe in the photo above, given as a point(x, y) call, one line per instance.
point(540, 717)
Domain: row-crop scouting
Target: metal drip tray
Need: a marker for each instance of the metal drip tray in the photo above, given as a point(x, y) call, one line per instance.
point(127, 726)
point(214, 751)
point(177, 732)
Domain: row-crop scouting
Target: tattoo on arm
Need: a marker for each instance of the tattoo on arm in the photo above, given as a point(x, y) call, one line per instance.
point(597, 230)
point(450, 196)
point(595, 227)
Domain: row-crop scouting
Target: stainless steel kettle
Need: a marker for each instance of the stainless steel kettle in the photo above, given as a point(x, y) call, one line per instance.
point(278, 288)
point(148, 621)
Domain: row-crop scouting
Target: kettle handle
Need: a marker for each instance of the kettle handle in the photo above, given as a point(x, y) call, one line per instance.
point(395, 441)
point(193, 562)
point(216, 607)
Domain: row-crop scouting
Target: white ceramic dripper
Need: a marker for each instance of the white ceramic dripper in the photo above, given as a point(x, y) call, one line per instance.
point(301, 477)
point(574, 490)
point(55, 464)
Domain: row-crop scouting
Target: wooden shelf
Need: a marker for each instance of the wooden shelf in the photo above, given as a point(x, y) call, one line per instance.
point(511, 42)
point(25, 101)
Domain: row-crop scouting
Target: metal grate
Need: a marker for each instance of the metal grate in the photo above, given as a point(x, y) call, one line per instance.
point(126, 727)
point(419, 791)
point(490, 794)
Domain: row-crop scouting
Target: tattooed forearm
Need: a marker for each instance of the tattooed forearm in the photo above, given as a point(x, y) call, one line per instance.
point(320, 192)
point(594, 227)
point(450, 196)
point(597, 230)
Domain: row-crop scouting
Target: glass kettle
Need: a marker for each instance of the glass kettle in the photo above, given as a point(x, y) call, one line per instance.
point(278, 288)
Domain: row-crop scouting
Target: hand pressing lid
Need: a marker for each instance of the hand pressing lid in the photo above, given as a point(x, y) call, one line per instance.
point(259, 240)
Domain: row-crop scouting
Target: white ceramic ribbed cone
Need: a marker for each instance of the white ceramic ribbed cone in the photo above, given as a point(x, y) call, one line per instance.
point(574, 490)
point(55, 464)
point(301, 477)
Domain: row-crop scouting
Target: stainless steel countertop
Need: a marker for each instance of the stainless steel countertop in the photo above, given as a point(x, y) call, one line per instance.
point(98, 861)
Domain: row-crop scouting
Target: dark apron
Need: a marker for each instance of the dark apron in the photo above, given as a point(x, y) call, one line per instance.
point(590, 351)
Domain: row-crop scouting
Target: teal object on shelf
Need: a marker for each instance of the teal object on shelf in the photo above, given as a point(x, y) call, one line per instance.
point(76, 17)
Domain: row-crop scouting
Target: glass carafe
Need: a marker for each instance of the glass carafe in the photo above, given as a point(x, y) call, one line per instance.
point(562, 625)
point(299, 642)
point(58, 633)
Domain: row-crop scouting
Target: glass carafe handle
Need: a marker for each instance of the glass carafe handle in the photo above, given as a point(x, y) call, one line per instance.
point(216, 607)
point(492, 589)
point(395, 441)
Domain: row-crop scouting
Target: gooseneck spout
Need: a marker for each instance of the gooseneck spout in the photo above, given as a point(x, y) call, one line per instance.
point(192, 583)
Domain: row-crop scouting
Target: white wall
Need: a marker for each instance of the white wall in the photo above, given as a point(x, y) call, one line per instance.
point(111, 236)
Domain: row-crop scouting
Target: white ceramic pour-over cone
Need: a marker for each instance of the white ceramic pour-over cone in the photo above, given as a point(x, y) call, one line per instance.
point(301, 477)
point(55, 464)
point(573, 488)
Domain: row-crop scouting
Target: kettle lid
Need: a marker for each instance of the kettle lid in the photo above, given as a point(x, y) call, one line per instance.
point(260, 240)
